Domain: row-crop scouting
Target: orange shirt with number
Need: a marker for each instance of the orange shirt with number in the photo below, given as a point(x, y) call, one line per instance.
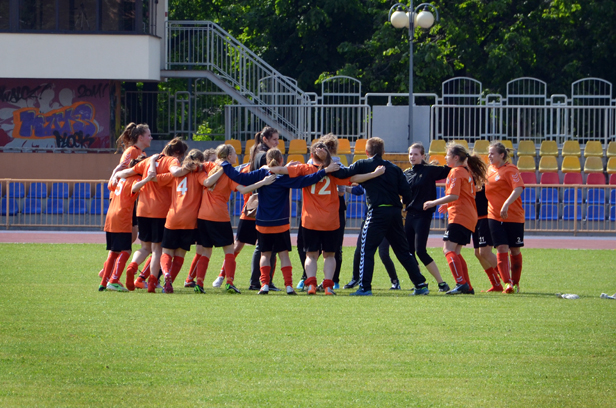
point(214, 200)
point(185, 200)
point(154, 200)
point(120, 214)
point(501, 182)
point(462, 211)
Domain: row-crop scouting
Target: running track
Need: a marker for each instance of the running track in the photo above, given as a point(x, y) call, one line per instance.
point(72, 237)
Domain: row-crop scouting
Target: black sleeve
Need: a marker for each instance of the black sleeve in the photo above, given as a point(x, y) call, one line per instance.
point(440, 172)
point(403, 188)
point(347, 172)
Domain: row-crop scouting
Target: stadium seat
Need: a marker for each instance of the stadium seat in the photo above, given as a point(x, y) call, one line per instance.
point(527, 148)
point(296, 194)
point(593, 165)
point(550, 178)
point(246, 159)
point(548, 212)
point(611, 150)
point(17, 190)
point(527, 164)
point(573, 178)
point(595, 196)
point(294, 208)
point(440, 192)
point(596, 179)
point(359, 157)
point(38, 190)
point(529, 195)
point(569, 212)
point(281, 146)
point(12, 204)
point(593, 148)
point(344, 146)
point(298, 146)
point(248, 145)
point(571, 164)
point(613, 197)
point(508, 144)
point(437, 147)
point(296, 157)
point(32, 205)
point(77, 206)
point(461, 142)
point(55, 206)
point(548, 195)
point(571, 148)
point(481, 147)
point(529, 177)
point(529, 211)
point(59, 190)
point(613, 213)
point(101, 190)
point(548, 164)
point(343, 160)
point(612, 179)
point(439, 158)
point(595, 213)
point(356, 209)
point(569, 196)
point(548, 148)
point(82, 190)
point(360, 146)
point(95, 206)
point(611, 166)
point(237, 145)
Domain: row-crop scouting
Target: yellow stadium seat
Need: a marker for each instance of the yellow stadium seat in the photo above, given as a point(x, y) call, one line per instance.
point(246, 158)
point(593, 149)
point(359, 157)
point(481, 147)
point(248, 146)
point(360, 146)
point(344, 146)
point(548, 164)
point(298, 146)
point(281, 146)
point(296, 157)
point(461, 142)
point(439, 158)
point(343, 160)
point(611, 165)
point(593, 165)
point(527, 163)
point(237, 145)
point(611, 149)
point(527, 148)
point(571, 164)
point(571, 148)
point(508, 144)
point(548, 148)
point(438, 147)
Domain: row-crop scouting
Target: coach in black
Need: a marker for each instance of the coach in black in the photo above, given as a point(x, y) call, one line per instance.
point(384, 217)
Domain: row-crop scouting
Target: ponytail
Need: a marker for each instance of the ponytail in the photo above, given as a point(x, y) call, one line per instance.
point(176, 147)
point(130, 135)
point(274, 157)
point(476, 166)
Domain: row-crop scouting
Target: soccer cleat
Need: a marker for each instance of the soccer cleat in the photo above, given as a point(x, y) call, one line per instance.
point(312, 290)
point(351, 284)
point(509, 288)
point(264, 290)
point(290, 291)
point(254, 287)
point(320, 287)
point(361, 292)
point(102, 288)
point(168, 288)
point(395, 285)
point(190, 284)
point(140, 284)
point(336, 285)
point(459, 289)
point(300, 285)
point(516, 288)
point(273, 288)
point(231, 289)
point(329, 292)
point(199, 289)
point(116, 287)
point(443, 287)
point(152, 284)
point(470, 292)
point(423, 290)
point(493, 289)
point(218, 282)
point(603, 296)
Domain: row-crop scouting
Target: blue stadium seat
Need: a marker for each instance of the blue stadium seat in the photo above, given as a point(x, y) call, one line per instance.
point(77, 206)
point(613, 197)
point(55, 206)
point(548, 212)
point(595, 196)
point(569, 210)
point(82, 190)
point(13, 207)
point(296, 194)
point(529, 211)
point(549, 195)
point(101, 190)
point(357, 198)
point(356, 209)
point(38, 190)
point(32, 205)
point(569, 196)
point(440, 192)
point(95, 207)
point(529, 196)
point(59, 190)
point(294, 208)
point(17, 190)
point(613, 213)
point(595, 213)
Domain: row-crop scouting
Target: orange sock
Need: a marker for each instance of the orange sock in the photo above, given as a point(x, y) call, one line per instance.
point(230, 267)
point(328, 283)
point(265, 275)
point(516, 268)
point(145, 272)
point(222, 269)
point(456, 267)
point(202, 265)
point(503, 267)
point(465, 271)
point(287, 274)
point(133, 267)
point(192, 272)
point(109, 264)
point(165, 264)
point(118, 268)
point(311, 281)
point(176, 266)
point(494, 279)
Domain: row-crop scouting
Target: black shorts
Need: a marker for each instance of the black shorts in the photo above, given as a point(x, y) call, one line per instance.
point(458, 234)
point(119, 241)
point(326, 241)
point(180, 238)
point(151, 229)
point(507, 233)
point(135, 222)
point(214, 233)
point(247, 232)
point(277, 242)
point(482, 237)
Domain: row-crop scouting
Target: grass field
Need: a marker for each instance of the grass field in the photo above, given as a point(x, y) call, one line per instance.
point(64, 344)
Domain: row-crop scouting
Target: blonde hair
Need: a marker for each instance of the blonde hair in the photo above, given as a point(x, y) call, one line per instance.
point(476, 166)
point(331, 141)
point(501, 149)
point(274, 157)
point(224, 150)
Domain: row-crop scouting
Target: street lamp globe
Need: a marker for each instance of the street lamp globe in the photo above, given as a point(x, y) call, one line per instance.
point(399, 19)
point(424, 19)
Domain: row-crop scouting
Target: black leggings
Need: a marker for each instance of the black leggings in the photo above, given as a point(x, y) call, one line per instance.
point(417, 229)
point(383, 254)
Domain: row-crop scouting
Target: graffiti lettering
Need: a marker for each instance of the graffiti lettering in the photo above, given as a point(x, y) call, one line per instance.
point(18, 93)
point(95, 91)
point(31, 124)
point(77, 140)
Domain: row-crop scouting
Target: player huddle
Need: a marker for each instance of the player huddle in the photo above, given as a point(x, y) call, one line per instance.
point(183, 200)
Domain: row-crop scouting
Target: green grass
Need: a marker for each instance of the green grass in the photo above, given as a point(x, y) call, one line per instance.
point(64, 344)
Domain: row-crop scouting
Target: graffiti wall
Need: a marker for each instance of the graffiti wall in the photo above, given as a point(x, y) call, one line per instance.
point(55, 113)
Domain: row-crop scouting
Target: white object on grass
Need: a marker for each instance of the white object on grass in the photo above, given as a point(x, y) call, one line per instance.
point(567, 295)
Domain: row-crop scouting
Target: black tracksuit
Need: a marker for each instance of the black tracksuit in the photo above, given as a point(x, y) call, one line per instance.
point(384, 217)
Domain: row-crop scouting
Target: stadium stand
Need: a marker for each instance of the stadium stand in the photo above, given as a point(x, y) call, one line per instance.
point(237, 145)
point(571, 148)
point(548, 148)
point(593, 148)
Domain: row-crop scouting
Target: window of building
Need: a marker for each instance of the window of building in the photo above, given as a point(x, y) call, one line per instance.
point(4, 15)
point(37, 15)
point(77, 15)
point(118, 15)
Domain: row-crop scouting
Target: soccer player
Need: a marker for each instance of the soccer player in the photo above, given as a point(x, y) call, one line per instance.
point(482, 242)
point(505, 214)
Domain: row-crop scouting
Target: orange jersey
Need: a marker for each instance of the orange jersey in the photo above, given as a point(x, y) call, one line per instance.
point(273, 230)
point(129, 154)
point(463, 211)
point(501, 183)
point(185, 200)
point(320, 202)
point(154, 200)
point(120, 214)
point(214, 202)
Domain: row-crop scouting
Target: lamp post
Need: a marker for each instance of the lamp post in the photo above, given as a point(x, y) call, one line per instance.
point(401, 16)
